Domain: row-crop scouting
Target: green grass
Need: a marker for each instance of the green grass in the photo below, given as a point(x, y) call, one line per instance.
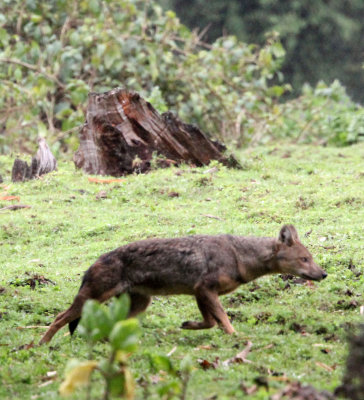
point(319, 190)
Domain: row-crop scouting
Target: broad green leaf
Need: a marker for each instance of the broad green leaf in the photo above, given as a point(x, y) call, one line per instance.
point(161, 362)
point(125, 334)
point(119, 308)
point(95, 322)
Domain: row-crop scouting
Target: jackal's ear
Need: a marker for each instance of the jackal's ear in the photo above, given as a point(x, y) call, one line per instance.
point(288, 235)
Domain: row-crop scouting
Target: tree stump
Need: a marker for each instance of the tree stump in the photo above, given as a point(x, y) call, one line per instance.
point(122, 132)
point(353, 381)
point(43, 163)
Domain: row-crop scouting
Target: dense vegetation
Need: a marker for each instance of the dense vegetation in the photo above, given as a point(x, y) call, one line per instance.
point(53, 53)
point(323, 38)
point(296, 329)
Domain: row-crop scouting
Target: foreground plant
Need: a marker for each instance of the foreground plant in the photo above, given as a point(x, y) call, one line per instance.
point(99, 323)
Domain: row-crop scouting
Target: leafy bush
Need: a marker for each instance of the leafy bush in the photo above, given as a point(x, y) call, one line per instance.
point(53, 53)
point(324, 114)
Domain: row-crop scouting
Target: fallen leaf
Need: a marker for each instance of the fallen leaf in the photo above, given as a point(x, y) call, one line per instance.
point(101, 195)
point(248, 390)
point(324, 366)
point(25, 346)
point(297, 391)
point(204, 347)
point(10, 198)
point(205, 364)
point(102, 181)
point(240, 357)
point(307, 234)
point(77, 376)
point(155, 379)
point(211, 170)
point(32, 281)
point(287, 154)
point(46, 383)
point(212, 216)
point(268, 346)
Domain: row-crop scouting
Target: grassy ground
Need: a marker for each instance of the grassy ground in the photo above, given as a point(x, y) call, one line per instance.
point(298, 331)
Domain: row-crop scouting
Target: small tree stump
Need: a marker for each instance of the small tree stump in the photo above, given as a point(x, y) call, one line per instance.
point(123, 131)
point(43, 163)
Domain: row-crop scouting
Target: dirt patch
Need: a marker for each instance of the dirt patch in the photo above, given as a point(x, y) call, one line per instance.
point(31, 280)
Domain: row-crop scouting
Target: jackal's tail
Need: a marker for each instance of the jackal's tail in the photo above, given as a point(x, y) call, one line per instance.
point(98, 289)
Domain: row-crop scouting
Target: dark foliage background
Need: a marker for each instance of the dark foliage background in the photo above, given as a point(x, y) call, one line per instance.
point(323, 38)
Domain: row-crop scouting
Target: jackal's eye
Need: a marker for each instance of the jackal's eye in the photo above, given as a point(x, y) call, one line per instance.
point(304, 259)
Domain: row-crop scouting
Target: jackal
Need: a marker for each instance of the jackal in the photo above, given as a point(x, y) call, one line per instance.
point(201, 265)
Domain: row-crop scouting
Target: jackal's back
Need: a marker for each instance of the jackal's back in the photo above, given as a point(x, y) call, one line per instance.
point(174, 265)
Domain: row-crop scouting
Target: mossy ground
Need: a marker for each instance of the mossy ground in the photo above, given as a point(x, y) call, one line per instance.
point(298, 331)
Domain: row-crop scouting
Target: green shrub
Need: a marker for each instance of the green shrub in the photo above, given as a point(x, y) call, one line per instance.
point(53, 53)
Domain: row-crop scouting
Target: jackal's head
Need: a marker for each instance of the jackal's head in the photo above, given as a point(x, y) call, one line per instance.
point(293, 257)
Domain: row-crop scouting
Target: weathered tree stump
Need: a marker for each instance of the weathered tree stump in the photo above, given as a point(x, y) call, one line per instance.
point(123, 131)
point(43, 163)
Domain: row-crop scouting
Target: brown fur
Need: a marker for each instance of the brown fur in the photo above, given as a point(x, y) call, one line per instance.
point(201, 265)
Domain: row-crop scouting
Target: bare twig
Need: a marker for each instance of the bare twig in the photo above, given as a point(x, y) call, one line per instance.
point(212, 216)
point(203, 32)
point(14, 207)
point(240, 357)
point(172, 351)
point(20, 328)
point(33, 68)
point(65, 27)
point(20, 20)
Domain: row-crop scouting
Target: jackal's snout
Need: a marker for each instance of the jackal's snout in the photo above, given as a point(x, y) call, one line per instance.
point(314, 273)
point(294, 258)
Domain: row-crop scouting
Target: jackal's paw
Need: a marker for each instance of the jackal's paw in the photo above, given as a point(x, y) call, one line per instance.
point(189, 325)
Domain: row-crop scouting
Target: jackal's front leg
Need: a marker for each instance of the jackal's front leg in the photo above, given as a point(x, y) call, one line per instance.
point(211, 310)
point(208, 320)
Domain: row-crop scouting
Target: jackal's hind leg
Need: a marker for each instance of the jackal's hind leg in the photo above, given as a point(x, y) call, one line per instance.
point(138, 303)
point(73, 314)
